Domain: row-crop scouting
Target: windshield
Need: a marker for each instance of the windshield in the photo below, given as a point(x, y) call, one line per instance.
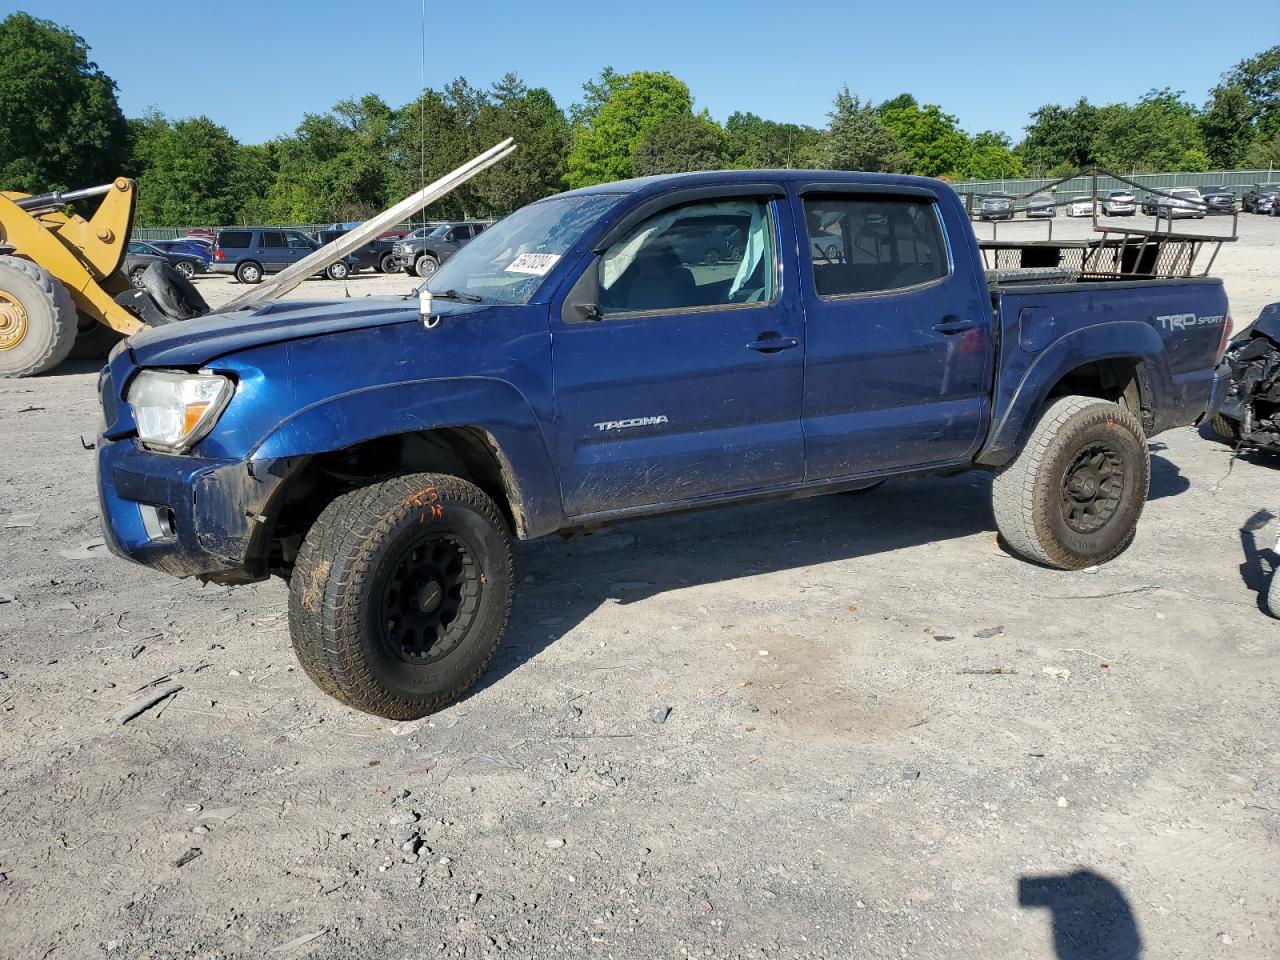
point(440, 231)
point(1189, 194)
point(1271, 186)
point(508, 262)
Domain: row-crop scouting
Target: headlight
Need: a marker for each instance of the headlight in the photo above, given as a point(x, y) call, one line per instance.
point(174, 410)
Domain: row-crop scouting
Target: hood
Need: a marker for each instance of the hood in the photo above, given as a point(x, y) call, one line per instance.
point(191, 343)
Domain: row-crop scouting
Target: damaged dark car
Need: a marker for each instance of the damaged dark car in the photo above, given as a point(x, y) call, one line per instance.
point(1245, 411)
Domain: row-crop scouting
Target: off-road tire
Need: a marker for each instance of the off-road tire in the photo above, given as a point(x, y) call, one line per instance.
point(50, 321)
point(337, 593)
point(1029, 494)
point(1225, 429)
point(426, 266)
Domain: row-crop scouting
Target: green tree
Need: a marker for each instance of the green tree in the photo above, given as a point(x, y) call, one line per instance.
point(991, 158)
point(1060, 139)
point(605, 147)
point(753, 143)
point(541, 133)
point(933, 141)
point(1160, 132)
point(1263, 154)
point(680, 142)
point(1227, 125)
point(60, 123)
point(430, 138)
point(1259, 78)
point(186, 171)
point(857, 139)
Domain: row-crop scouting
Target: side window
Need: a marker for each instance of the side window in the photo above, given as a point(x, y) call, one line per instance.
point(707, 254)
point(297, 240)
point(234, 239)
point(864, 245)
point(271, 239)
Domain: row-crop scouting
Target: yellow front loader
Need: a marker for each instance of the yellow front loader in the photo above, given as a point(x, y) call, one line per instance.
point(60, 277)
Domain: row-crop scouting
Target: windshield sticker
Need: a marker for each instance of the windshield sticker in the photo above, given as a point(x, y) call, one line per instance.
point(536, 264)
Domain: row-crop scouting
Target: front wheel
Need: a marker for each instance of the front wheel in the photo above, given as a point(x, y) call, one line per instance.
point(1073, 495)
point(426, 266)
point(1225, 429)
point(186, 268)
point(338, 270)
point(389, 264)
point(401, 594)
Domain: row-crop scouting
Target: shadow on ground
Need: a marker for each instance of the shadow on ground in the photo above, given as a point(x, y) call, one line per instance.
point(1091, 917)
point(564, 582)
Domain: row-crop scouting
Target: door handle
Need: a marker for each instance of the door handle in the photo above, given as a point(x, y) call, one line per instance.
point(771, 342)
point(953, 324)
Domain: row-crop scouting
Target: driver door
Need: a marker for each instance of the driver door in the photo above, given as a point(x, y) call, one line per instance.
point(677, 378)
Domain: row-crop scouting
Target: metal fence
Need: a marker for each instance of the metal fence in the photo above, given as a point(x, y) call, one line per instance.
point(174, 233)
point(1234, 180)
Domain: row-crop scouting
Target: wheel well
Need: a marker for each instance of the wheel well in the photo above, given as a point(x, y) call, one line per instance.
point(1121, 380)
point(471, 453)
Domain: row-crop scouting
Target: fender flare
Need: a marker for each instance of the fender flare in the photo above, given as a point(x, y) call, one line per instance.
point(1123, 340)
point(489, 404)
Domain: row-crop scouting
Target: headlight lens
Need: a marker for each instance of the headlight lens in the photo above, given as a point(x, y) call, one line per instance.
point(174, 410)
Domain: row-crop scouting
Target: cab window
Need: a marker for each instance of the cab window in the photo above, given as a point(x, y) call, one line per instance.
point(863, 245)
point(697, 256)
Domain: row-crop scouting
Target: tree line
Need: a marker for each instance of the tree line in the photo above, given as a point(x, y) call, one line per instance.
point(61, 126)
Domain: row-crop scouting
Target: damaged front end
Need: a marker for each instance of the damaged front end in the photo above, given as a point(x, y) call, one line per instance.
point(1245, 410)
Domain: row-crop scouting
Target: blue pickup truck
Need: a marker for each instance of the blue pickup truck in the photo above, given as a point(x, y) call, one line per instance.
point(580, 364)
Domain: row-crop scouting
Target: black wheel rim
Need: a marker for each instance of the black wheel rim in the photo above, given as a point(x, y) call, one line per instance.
point(430, 598)
point(1092, 487)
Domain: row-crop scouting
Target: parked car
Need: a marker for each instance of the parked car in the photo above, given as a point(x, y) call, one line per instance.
point(568, 370)
point(1260, 198)
point(1041, 205)
point(1218, 200)
point(1119, 203)
point(188, 257)
point(137, 257)
point(1083, 207)
point(377, 254)
point(201, 233)
point(1181, 203)
point(993, 206)
point(423, 255)
point(250, 253)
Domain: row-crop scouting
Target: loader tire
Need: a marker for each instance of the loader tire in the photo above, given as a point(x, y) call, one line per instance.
point(94, 340)
point(37, 319)
point(1073, 495)
point(401, 594)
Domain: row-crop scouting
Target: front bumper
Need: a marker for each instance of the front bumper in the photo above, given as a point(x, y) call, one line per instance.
point(188, 516)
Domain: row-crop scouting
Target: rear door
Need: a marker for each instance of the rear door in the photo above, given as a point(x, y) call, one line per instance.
point(676, 379)
point(898, 346)
point(272, 250)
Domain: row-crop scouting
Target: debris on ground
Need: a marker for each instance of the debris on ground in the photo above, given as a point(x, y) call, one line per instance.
point(145, 702)
point(18, 521)
point(989, 633)
point(95, 549)
point(660, 714)
point(187, 857)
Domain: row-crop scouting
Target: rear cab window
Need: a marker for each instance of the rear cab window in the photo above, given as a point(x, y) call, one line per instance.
point(861, 245)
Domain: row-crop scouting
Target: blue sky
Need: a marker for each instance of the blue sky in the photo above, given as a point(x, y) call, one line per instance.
point(257, 67)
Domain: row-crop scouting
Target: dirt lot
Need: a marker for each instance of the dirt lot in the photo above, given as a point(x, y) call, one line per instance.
point(842, 773)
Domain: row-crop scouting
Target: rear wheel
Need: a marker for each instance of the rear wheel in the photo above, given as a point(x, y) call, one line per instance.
point(249, 272)
point(337, 270)
point(401, 594)
point(135, 276)
point(1073, 495)
point(388, 264)
point(94, 340)
point(38, 321)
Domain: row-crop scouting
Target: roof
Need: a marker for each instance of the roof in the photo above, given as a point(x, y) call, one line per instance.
point(710, 178)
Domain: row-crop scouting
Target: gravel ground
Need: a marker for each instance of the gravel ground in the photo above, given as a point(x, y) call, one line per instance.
point(849, 726)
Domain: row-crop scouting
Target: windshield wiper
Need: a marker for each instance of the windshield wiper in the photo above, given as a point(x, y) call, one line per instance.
point(452, 294)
